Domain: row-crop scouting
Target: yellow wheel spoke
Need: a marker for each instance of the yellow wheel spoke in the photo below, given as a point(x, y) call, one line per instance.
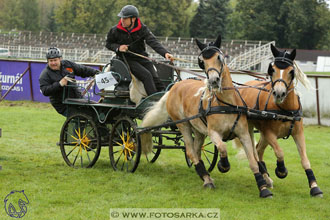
point(119, 144)
point(128, 149)
point(74, 137)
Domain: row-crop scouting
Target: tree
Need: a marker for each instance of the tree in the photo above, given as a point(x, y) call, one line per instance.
point(291, 23)
point(30, 15)
point(51, 25)
point(20, 14)
point(78, 16)
point(210, 19)
point(164, 17)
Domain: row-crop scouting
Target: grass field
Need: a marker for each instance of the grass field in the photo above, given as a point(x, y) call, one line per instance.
point(318, 73)
point(31, 161)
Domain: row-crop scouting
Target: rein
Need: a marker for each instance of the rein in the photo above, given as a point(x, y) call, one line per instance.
point(165, 64)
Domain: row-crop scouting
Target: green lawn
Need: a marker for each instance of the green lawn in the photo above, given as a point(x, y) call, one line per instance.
point(318, 73)
point(31, 161)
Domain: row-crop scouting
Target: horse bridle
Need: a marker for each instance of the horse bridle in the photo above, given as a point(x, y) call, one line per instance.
point(221, 58)
point(288, 61)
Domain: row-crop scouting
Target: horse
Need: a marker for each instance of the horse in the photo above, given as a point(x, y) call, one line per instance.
point(279, 96)
point(187, 98)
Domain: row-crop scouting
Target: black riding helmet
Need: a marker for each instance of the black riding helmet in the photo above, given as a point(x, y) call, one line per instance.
point(53, 52)
point(128, 11)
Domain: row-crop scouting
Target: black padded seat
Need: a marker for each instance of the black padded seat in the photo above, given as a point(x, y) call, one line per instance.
point(124, 77)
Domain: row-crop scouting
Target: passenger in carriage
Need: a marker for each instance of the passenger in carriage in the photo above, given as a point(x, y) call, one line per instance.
point(57, 74)
point(131, 34)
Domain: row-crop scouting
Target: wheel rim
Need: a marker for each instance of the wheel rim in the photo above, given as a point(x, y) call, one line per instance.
point(79, 142)
point(152, 157)
point(124, 149)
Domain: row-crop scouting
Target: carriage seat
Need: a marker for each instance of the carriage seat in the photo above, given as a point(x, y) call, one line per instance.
point(124, 78)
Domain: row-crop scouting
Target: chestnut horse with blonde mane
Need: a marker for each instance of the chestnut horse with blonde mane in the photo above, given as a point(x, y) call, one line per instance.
point(187, 97)
point(279, 96)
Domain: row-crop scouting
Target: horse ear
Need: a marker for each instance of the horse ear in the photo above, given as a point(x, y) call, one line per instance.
point(274, 50)
point(292, 54)
point(270, 70)
point(200, 45)
point(218, 41)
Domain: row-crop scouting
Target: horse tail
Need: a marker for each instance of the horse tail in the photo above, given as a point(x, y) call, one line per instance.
point(238, 145)
point(156, 115)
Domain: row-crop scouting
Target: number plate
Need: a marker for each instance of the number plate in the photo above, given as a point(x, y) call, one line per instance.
point(105, 80)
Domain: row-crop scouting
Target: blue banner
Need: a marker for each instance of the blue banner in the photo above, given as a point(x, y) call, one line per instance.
point(11, 70)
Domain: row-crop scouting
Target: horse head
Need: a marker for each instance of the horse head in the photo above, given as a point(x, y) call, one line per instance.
point(212, 61)
point(282, 73)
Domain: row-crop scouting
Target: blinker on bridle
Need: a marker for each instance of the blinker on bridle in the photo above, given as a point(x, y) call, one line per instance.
point(220, 57)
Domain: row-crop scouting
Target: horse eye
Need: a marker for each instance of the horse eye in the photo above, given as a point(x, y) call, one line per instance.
point(292, 72)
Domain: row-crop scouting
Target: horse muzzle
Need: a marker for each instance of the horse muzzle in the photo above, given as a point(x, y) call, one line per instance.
point(279, 95)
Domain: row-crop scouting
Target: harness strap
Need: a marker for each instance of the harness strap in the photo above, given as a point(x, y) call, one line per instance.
point(229, 109)
point(233, 128)
point(258, 97)
point(203, 112)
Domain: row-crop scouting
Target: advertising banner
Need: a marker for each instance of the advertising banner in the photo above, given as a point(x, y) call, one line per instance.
point(11, 70)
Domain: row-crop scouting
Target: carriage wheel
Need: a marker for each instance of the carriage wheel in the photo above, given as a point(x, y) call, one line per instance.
point(124, 147)
point(80, 141)
point(209, 155)
point(158, 141)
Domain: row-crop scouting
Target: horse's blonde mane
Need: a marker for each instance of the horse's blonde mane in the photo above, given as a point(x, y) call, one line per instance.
point(204, 90)
point(301, 77)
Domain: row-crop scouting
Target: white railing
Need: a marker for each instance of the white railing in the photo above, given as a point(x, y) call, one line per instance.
point(254, 53)
point(251, 57)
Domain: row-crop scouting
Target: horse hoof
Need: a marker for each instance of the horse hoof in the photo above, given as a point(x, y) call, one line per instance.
point(316, 192)
point(209, 186)
point(266, 193)
point(223, 169)
point(281, 175)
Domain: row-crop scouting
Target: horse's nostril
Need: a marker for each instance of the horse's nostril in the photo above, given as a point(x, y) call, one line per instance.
point(283, 94)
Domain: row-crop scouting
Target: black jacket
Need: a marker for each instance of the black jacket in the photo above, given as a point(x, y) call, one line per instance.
point(50, 86)
point(136, 40)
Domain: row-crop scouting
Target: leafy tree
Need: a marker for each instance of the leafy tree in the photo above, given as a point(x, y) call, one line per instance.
point(210, 19)
point(30, 15)
point(51, 25)
point(9, 15)
point(78, 16)
point(291, 23)
point(20, 14)
point(163, 17)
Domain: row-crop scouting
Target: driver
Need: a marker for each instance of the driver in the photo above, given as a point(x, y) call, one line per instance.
point(131, 34)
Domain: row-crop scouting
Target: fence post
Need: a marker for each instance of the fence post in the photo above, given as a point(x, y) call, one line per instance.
point(317, 101)
point(30, 77)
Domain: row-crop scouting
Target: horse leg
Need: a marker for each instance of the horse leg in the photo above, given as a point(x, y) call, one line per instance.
point(191, 145)
point(254, 166)
point(261, 146)
point(280, 171)
point(301, 146)
point(223, 164)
